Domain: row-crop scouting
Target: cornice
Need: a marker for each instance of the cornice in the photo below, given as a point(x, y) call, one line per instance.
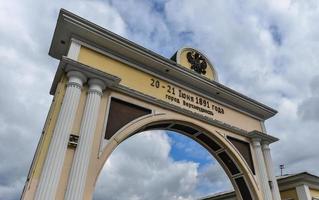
point(70, 26)
point(67, 64)
point(263, 137)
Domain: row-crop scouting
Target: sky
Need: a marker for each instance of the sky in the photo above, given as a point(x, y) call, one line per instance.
point(267, 50)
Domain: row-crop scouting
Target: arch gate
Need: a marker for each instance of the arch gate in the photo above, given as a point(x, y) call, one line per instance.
point(107, 88)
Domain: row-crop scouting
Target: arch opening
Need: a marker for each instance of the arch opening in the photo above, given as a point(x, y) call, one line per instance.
point(213, 146)
point(161, 165)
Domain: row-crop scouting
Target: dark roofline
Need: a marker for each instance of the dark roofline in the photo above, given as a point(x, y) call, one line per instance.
point(293, 180)
point(297, 175)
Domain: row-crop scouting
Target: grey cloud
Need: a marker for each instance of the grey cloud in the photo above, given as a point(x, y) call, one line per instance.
point(238, 38)
point(213, 179)
point(140, 168)
point(309, 108)
point(143, 167)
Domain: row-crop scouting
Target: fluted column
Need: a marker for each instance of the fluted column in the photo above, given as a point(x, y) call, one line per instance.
point(81, 160)
point(270, 170)
point(262, 173)
point(303, 192)
point(52, 168)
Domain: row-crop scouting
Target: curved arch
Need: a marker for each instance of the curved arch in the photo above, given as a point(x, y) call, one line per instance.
point(233, 164)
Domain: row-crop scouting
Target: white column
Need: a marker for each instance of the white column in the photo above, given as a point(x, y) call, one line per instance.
point(262, 173)
point(270, 171)
point(303, 192)
point(52, 168)
point(82, 155)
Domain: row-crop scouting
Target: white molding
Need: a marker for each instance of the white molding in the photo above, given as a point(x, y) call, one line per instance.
point(74, 50)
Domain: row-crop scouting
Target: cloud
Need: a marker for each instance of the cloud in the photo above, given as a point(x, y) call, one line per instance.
point(212, 175)
point(140, 168)
point(266, 50)
point(144, 167)
point(309, 108)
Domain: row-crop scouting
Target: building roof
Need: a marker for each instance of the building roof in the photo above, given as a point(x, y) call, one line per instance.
point(285, 182)
point(292, 180)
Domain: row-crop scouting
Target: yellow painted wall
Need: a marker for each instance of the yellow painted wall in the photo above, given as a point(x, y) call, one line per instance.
point(142, 82)
point(289, 194)
point(49, 125)
point(314, 193)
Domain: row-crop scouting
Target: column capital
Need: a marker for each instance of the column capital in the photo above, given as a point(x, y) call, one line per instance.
point(256, 141)
point(262, 137)
point(97, 82)
point(265, 142)
point(76, 77)
point(265, 145)
point(96, 85)
point(69, 65)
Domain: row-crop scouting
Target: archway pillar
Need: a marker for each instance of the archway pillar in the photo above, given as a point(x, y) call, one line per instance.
point(270, 170)
point(265, 174)
point(97, 83)
point(262, 173)
point(78, 174)
point(53, 164)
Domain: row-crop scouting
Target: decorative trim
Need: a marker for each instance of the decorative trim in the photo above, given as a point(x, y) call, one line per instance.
point(92, 91)
point(73, 84)
point(262, 137)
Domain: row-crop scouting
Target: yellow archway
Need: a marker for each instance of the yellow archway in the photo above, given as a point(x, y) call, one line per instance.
point(107, 88)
